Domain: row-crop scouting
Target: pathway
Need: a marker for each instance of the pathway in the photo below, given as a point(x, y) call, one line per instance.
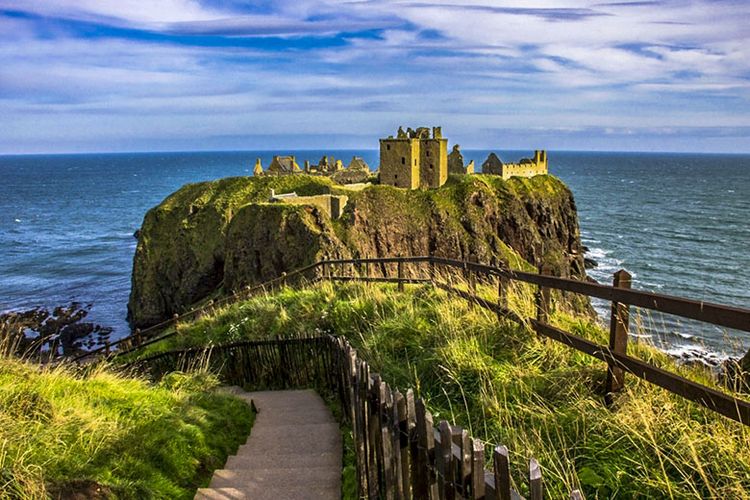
point(293, 452)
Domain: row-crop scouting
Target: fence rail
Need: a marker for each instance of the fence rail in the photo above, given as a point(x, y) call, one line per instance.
point(400, 453)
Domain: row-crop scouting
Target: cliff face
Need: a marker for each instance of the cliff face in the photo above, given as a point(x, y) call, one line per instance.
point(223, 233)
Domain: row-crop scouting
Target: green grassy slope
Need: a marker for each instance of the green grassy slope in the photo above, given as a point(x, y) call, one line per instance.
point(110, 436)
point(509, 386)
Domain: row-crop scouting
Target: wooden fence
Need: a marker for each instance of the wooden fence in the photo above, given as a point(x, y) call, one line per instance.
point(400, 454)
point(621, 296)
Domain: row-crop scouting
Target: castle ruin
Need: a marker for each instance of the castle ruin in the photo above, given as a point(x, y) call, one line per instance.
point(281, 165)
point(526, 167)
point(456, 162)
point(413, 159)
point(333, 205)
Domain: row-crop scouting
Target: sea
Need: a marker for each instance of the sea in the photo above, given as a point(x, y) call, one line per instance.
point(677, 222)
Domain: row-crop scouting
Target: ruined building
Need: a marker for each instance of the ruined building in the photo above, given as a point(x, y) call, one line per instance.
point(413, 159)
point(283, 165)
point(524, 168)
point(331, 204)
point(356, 172)
point(456, 162)
point(258, 170)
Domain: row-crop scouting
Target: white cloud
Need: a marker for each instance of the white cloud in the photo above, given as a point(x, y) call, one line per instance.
point(670, 65)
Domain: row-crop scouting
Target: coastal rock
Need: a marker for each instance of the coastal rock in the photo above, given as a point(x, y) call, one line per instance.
point(224, 234)
point(264, 240)
point(38, 332)
point(180, 256)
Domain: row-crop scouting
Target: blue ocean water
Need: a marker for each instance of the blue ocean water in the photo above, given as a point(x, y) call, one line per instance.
point(677, 222)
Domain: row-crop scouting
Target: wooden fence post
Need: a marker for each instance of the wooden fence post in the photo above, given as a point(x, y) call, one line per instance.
point(462, 439)
point(543, 298)
point(502, 291)
point(471, 277)
point(477, 470)
point(446, 466)
point(502, 472)
point(425, 479)
point(536, 488)
point(402, 433)
point(414, 456)
point(400, 276)
point(376, 452)
point(618, 336)
point(386, 441)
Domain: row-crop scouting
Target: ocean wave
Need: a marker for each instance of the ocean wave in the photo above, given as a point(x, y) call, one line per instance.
point(691, 353)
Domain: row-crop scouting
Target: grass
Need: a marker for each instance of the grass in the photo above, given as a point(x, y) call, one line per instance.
point(509, 386)
point(107, 435)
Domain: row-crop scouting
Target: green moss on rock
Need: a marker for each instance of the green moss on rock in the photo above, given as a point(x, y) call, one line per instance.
point(224, 233)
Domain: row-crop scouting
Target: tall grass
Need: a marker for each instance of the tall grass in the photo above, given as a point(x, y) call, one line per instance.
point(508, 385)
point(109, 435)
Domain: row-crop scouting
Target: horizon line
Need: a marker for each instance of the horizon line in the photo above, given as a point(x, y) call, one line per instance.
point(287, 149)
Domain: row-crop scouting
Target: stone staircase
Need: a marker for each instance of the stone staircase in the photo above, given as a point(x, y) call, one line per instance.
point(294, 452)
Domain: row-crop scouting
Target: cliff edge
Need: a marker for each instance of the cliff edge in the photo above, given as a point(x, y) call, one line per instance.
point(225, 234)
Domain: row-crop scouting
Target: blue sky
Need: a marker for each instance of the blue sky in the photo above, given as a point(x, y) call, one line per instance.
point(150, 75)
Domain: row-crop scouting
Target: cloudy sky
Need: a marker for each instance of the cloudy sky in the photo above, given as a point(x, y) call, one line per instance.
point(150, 75)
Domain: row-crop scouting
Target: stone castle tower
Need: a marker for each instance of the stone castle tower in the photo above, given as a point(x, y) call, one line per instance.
point(413, 159)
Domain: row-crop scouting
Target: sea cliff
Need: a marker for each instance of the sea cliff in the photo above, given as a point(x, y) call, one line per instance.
point(224, 234)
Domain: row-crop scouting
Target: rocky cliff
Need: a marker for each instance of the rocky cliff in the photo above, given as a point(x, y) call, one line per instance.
point(223, 234)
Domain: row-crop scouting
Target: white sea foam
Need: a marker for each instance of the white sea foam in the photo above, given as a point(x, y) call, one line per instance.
point(688, 353)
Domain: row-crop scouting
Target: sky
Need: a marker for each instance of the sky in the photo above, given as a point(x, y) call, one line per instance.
point(178, 75)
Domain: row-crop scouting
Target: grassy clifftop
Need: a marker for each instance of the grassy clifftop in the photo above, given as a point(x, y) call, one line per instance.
point(222, 234)
point(508, 385)
point(110, 436)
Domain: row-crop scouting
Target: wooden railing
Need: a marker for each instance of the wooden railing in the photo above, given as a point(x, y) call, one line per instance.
point(399, 453)
point(143, 337)
point(621, 296)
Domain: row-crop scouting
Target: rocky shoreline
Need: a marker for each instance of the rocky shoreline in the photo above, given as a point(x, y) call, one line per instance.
point(43, 333)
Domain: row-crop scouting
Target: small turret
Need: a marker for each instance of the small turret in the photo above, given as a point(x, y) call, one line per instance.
point(258, 170)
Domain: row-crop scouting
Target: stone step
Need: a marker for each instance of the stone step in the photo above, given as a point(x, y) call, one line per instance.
point(301, 444)
point(262, 493)
point(267, 461)
point(293, 477)
point(293, 451)
point(311, 417)
point(280, 431)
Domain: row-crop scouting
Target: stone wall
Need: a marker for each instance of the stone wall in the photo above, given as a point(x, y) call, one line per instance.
point(433, 168)
point(333, 205)
point(399, 163)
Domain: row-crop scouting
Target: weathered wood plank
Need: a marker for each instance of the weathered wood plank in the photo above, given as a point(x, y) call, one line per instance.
point(501, 469)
